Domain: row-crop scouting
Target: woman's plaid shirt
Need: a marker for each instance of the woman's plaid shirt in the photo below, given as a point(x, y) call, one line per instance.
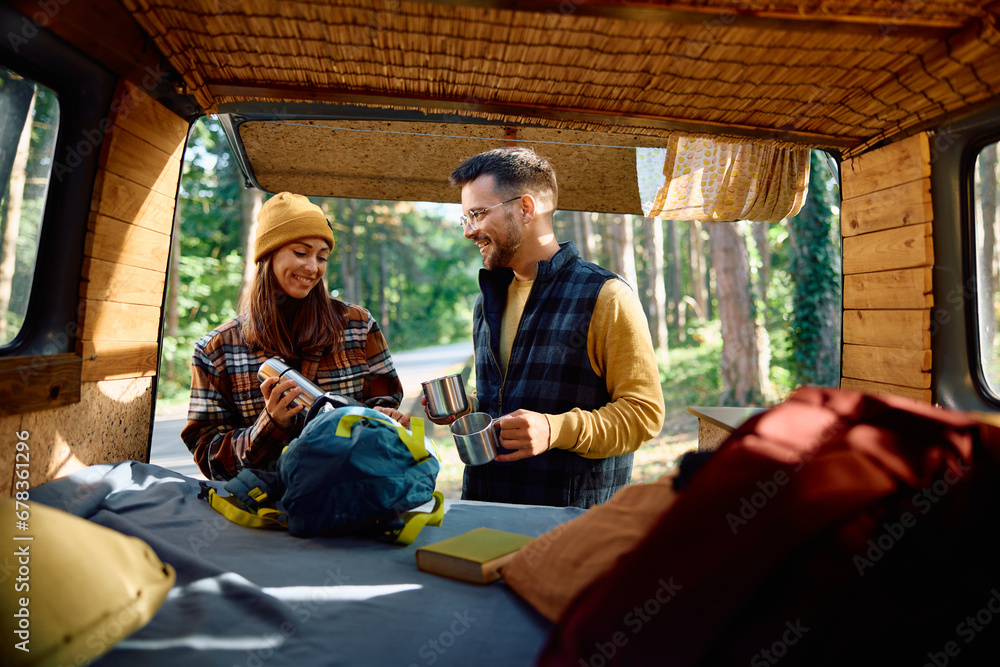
point(228, 428)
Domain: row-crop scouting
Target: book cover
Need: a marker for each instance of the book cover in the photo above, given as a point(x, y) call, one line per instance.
point(475, 556)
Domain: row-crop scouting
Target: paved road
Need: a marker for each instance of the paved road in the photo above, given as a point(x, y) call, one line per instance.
point(413, 367)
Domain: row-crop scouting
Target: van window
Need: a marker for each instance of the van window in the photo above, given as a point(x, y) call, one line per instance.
point(986, 210)
point(29, 123)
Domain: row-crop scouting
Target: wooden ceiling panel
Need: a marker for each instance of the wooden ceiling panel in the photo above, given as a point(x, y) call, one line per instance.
point(411, 161)
point(826, 73)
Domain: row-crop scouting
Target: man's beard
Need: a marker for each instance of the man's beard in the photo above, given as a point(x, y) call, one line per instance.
point(503, 248)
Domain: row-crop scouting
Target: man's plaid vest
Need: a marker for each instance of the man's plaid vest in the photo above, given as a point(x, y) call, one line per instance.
point(549, 371)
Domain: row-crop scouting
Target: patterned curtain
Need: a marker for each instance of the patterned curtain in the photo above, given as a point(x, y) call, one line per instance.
point(706, 180)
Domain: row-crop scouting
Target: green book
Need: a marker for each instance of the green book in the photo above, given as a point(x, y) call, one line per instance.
point(475, 556)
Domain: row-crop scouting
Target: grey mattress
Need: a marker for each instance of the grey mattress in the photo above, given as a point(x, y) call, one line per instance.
point(247, 597)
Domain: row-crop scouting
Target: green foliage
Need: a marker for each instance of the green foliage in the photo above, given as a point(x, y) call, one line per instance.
point(814, 265)
point(403, 262)
point(692, 373)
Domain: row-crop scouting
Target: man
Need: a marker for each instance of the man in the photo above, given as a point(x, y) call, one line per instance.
point(562, 348)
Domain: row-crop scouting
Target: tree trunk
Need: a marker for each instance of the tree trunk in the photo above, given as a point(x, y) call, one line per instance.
point(12, 224)
point(740, 360)
point(588, 250)
point(608, 252)
point(764, 251)
point(699, 272)
point(251, 199)
point(759, 231)
point(173, 287)
point(677, 270)
point(988, 251)
point(347, 262)
point(623, 246)
point(174, 276)
point(16, 97)
point(658, 300)
point(383, 280)
point(579, 239)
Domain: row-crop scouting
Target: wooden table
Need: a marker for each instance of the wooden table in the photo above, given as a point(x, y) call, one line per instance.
point(716, 423)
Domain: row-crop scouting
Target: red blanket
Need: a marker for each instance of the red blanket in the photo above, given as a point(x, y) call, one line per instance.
point(836, 528)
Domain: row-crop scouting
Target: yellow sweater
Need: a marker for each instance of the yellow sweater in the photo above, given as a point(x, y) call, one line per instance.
point(621, 351)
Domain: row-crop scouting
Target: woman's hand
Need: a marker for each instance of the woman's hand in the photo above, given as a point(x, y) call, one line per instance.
point(403, 419)
point(277, 399)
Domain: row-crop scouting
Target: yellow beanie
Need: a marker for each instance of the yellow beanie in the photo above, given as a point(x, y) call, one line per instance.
point(285, 218)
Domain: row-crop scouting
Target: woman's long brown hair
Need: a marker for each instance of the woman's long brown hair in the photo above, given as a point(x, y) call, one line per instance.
point(319, 324)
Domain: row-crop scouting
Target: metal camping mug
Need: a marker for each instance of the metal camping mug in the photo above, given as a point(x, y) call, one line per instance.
point(276, 367)
point(445, 396)
point(476, 438)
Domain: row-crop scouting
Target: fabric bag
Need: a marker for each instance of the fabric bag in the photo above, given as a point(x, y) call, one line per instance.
point(834, 529)
point(353, 470)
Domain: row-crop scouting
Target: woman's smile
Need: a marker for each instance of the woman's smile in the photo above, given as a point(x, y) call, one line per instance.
point(299, 266)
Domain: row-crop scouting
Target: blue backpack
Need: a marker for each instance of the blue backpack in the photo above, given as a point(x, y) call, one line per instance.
point(353, 470)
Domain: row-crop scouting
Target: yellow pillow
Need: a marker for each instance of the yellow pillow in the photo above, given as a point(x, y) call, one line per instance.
point(73, 588)
point(553, 569)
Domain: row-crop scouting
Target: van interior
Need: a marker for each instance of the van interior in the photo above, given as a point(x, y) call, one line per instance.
point(380, 100)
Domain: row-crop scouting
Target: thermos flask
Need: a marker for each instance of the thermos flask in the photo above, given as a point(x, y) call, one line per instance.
point(276, 367)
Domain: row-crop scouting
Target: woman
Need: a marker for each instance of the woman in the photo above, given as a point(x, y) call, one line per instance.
point(234, 420)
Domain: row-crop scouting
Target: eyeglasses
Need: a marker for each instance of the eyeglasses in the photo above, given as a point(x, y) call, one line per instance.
point(473, 217)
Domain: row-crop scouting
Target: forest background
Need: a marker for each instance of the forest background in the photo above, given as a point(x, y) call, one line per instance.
point(740, 313)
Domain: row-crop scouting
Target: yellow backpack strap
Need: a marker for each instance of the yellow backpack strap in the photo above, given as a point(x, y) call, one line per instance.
point(230, 507)
point(413, 439)
point(415, 521)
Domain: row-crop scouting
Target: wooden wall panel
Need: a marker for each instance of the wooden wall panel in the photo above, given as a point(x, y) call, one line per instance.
point(142, 162)
point(908, 329)
point(42, 381)
point(888, 246)
point(900, 248)
point(128, 242)
point(882, 169)
point(908, 368)
point(122, 243)
point(108, 281)
point(121, 199)
point(908, 288)
point(110, 321)
point(141, 116)
point(123, 279)
point(115, 360)
point(879, 389)
point(905, 204)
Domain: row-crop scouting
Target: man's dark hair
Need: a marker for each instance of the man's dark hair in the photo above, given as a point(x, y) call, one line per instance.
point(515, 171)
